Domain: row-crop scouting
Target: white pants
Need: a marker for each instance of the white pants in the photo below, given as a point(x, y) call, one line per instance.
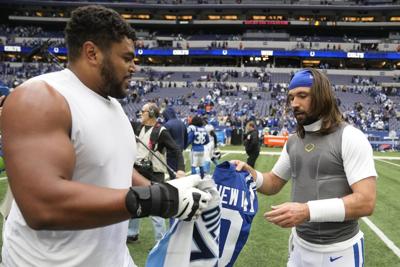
point(197, 158)
point(300, 256)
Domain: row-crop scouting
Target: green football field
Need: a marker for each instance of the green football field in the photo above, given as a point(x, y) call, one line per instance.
point(267, 243)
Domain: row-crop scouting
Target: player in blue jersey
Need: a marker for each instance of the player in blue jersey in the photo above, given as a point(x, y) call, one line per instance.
point(198, 137)
point(333, 178)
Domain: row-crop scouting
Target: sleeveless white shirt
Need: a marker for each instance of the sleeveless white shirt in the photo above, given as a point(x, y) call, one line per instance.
point(105, 150)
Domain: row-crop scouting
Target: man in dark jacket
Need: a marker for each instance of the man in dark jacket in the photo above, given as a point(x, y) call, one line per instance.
point(178, 131)
point(251, 143)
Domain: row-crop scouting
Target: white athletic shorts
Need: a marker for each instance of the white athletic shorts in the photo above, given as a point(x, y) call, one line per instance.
point(300, 256)
point(197, 158)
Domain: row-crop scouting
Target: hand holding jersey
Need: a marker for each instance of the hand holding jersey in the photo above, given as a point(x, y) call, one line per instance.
point(177, 198)
point(218, 236)
point(197, 239)
point(192, 197)
point(243, 166)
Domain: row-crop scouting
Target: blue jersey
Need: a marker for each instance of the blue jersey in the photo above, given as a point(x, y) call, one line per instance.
point(191, 244)
point(216, 238)
point(239, 206)
point(197, 137)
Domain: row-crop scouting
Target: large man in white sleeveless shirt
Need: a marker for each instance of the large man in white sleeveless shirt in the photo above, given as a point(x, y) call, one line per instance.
point(70, 152)
point(333, 178)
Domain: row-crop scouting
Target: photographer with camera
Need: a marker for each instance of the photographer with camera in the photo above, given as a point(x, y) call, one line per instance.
point(157, 139)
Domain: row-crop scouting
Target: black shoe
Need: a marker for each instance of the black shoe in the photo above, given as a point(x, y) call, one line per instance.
point(132, 238)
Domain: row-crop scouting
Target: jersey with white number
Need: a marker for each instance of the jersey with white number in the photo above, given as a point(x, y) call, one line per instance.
point(239, 206)
point(219, 234)
point(191, 244)
point(198, 137)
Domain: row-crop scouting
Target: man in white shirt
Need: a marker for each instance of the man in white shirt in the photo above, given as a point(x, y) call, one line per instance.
point(70, 151)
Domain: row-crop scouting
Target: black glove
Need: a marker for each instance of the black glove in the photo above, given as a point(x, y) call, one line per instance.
point(177, 198)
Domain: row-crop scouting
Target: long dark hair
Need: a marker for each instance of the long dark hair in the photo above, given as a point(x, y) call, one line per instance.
point(197, 121)
point(323, 105)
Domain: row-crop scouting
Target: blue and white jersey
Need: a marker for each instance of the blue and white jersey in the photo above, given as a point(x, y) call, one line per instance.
point(197, 137)
point(191, 244)
point(239, 206)
point(217, 237)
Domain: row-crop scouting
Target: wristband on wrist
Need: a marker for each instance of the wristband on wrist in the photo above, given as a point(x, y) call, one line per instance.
point(259, 179)
point(327, 210)
point(138, 201)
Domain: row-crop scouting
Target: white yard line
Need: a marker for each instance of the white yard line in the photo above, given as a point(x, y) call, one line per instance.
point(3, 178)
point(278, 153)
point(389, 243)
point(244, 152)
point(388, 162)
point(387, 157)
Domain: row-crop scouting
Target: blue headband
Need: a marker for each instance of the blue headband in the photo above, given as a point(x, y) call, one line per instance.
point(302, 78)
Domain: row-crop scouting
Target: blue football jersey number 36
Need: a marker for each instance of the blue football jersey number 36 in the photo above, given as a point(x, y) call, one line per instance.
point(200, 138)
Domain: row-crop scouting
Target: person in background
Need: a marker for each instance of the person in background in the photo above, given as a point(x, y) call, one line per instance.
point(198, 138)
point(251, 143)
point(209, 149)
point(179, 134)
point(228, 131)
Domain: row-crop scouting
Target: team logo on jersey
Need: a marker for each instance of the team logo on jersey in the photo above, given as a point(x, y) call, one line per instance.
point(309, 147)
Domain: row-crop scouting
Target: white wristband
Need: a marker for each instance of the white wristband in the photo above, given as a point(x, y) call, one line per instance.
point(259, 179)
point(327, 210)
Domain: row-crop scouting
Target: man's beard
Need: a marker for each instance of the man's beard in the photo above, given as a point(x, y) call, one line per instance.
point(112, 87)
point(306, 120)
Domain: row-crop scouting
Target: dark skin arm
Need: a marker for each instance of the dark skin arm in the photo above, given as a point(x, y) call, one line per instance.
point(36, 123)
point(138, 179)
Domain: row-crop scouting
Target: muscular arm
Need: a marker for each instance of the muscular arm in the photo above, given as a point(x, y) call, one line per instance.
point(40, 161)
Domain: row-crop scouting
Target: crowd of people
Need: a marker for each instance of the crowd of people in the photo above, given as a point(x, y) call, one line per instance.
point(225, 97)
point(240, 106)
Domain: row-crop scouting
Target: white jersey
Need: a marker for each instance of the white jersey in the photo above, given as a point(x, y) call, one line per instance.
point(105, 148)
point(193, 243)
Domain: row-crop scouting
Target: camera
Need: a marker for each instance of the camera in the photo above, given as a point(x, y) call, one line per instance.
point(145, 168)
point(144, 164)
